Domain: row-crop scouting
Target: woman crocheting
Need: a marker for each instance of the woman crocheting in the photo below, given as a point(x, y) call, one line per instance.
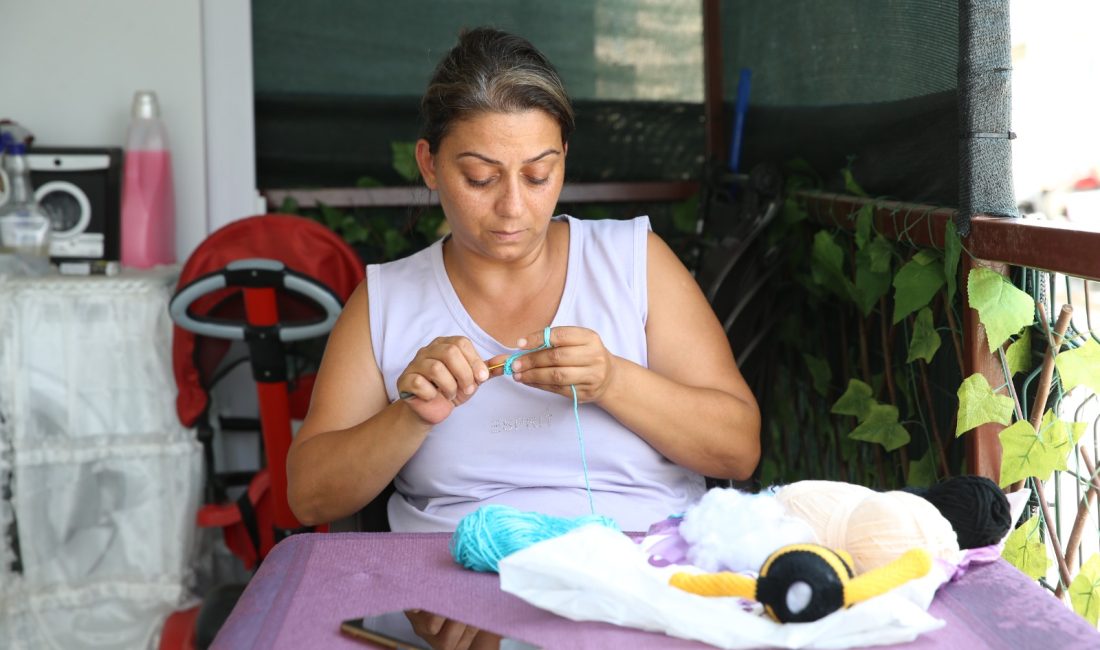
point(408, 390)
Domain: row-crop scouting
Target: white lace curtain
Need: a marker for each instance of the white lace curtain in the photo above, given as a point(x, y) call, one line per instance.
point(102, 481)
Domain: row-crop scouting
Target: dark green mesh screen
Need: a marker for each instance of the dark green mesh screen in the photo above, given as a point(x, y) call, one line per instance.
point(869, 83)
point(336, 82)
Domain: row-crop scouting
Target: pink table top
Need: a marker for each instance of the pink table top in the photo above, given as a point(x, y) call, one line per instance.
point(310, 583)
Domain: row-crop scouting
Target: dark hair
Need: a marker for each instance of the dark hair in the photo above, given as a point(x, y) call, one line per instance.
point(492, 71)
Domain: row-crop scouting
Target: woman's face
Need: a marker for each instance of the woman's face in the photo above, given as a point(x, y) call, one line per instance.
point(498, 176)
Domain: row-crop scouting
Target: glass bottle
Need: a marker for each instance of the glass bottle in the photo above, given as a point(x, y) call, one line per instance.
point(24, 225)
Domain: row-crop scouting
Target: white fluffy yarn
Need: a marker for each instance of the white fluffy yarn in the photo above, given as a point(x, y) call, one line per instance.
point(729, 530)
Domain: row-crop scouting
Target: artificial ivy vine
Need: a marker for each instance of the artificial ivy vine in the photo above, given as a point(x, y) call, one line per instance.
point(894, 290)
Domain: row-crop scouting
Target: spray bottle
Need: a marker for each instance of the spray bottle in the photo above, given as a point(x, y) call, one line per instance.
point(148, 201)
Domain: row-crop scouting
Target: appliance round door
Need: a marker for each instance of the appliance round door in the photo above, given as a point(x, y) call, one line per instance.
point(67, 205)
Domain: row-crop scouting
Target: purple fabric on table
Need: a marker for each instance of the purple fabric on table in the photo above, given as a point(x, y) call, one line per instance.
point(310, 583)
point(973, 557)
point(672, 549)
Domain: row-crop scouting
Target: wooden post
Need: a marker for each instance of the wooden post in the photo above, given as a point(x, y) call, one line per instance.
point(983, 444)
point(712, 81)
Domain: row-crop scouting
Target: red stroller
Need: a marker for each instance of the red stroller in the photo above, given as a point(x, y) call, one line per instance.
point(276, 283)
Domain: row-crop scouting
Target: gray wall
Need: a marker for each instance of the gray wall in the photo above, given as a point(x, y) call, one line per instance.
point(70, 68)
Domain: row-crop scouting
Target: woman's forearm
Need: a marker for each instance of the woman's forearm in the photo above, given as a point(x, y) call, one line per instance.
point(710, 431)
point(335, 473)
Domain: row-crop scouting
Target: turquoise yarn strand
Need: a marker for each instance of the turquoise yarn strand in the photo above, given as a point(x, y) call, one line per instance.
point(576, 412)
point(516, 355)
point(584, 458)
point(493, 532)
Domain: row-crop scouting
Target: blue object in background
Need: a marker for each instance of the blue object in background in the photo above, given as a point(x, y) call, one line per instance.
point(741, 106)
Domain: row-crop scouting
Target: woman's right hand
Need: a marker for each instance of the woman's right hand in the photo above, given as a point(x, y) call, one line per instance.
point(443, 374)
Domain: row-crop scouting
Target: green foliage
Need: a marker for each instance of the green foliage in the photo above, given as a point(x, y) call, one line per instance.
point(1030, 453)
point(857, 400)
point(820, 371)
point(827, 266)
point(864, 221)
point(793, 212)
point(1002, 308)
point(1018, 355)
point(849, 322)
point(979, 405)
point(1080, 366)
point(872, 273)
point(925, 340)
point(916, 283)
point(881, 425)
point(877, 422)
point(685, 216)
point(850, 183)
point(379, 234)
point(1025, 550)
point(1084, 591)
point(922, 472)
point(404, 160)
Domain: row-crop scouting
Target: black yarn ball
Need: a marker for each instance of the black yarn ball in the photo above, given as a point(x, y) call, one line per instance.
point(974, 505)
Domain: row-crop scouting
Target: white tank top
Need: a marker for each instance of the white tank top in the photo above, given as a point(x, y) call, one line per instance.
point(516, 445)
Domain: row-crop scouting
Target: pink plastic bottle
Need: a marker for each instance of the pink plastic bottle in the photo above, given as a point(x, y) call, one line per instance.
point(148, 202)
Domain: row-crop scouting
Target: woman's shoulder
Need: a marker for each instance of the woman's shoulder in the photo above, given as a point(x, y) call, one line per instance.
point(614, 233)
point(607, 225)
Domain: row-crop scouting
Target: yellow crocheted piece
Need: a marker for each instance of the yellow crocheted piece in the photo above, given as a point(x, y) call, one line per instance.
point(915, 563)
point(724, 583)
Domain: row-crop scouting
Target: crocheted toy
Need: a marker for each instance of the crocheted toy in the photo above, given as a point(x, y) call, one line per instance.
point(805, 582)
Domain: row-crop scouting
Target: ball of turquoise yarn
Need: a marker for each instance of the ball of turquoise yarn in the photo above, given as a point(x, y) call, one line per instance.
point(493, 532)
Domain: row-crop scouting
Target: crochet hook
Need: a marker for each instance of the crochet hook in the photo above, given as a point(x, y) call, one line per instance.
point(407, 395)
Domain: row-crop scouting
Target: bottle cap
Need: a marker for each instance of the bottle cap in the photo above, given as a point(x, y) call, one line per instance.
point(145, 105)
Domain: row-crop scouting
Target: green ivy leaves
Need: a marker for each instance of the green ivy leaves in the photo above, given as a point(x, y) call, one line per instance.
point(827, 265)
point(1018, 355)
point(978, 405)
point(881, 426)
point(872, 272)
point(925, 340)
point(1084, 591)
point(1080, 366)
point(1002, 308)
point(1025, 551)
point(820, 371)
point(404, 160)
point(855, 401)
point(922, 472)
point(1037, 453)
point(916, 283)
point(877, 422)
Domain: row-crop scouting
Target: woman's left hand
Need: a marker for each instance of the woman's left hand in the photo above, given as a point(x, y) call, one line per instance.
point(576, 357)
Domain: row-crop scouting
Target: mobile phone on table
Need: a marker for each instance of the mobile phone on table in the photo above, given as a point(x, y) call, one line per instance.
point(394, 630)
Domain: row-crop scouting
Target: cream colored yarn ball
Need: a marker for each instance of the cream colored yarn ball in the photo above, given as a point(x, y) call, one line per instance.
point(875, 528)
point(885, 525)
point(817, 502)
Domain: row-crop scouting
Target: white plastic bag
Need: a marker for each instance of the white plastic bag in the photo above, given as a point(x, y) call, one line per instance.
point(597, 574)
